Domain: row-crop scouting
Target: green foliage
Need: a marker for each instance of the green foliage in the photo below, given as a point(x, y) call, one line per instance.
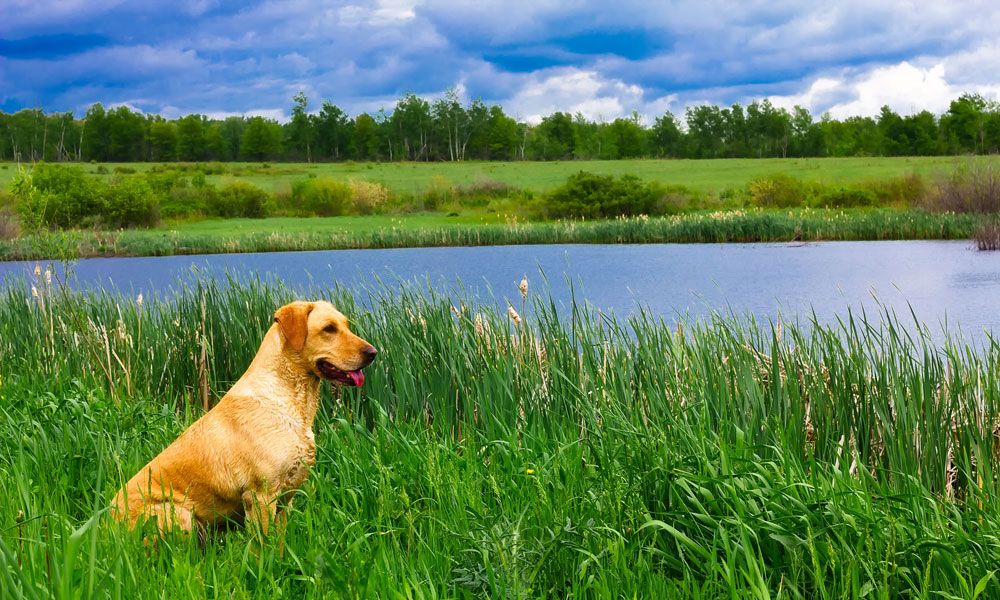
point(589, 196)
point(776, 191)
point(238, 199)
point(323, 196)
point(62, 196)
point(130, 202)
point(589, 456)
point(846, 198)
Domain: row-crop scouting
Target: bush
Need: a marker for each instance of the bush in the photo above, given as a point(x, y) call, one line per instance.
point(125, 170)
point(130, 202)
point(56, 195)
point(902, 191)
point(593, 196)
point(438, 192)
point(185, 201)
point(368, 197)
point(323, 196)
point(10, 226)
point(970, 188)
point(479, 193)
point(846, 198)
point(238, 199)
point(776, 191)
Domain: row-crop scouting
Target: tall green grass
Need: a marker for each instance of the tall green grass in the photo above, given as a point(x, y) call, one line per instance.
point(723, 226)
point(577, 454)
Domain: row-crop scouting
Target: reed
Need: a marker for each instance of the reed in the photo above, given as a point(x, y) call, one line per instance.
point(563, 453)
point(703, 227)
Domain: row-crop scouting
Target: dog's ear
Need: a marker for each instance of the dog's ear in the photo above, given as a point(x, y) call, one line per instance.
point(292, 320)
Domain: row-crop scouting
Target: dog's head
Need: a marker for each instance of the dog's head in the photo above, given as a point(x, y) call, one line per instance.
point(316, 336)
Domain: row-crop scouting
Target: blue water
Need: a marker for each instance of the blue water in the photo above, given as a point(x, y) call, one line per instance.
point(944, 282)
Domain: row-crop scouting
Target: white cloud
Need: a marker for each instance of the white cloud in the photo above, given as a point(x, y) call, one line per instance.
point(573, 91)
point(905, 87)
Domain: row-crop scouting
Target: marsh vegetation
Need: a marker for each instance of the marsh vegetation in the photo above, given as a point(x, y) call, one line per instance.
point(571, 455)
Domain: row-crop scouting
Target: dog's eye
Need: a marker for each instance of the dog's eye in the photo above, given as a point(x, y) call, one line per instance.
point(331, 328)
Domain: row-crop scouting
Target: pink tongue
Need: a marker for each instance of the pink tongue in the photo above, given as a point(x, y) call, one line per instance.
point(358, 377)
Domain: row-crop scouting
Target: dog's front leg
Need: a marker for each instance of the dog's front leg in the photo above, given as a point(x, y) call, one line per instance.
point(259, 509)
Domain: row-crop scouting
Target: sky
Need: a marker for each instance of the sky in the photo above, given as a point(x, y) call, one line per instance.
point(602, 59)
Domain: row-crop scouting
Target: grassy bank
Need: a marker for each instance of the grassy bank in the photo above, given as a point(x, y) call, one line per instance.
point(583, 456)
point(249, 235)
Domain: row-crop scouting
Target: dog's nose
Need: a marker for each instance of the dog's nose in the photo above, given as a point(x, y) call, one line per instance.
point(369, 353)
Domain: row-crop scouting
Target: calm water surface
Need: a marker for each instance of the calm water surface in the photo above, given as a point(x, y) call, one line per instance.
point(944, 282)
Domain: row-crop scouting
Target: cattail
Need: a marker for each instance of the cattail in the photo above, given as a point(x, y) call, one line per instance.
point(38, 271)
point(523, 287)
point(48, 277)
point(34, 292)
point(513, 315)
point(138, 299)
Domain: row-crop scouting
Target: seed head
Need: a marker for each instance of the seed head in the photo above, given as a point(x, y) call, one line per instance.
point(513, 315)
point(38, 270)
point(480, 328)
point(138, 299)
point(524, 287)
point(34, 292)
point(48, 276)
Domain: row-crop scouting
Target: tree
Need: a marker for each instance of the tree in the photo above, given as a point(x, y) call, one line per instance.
point(410, 125)
point(301, 129)
point(126, 135)
point(501, 137)
point(163, 140)
point(963, 126)
point(332, 132)
point(94, 144)
point(261, 139)
point(191, 138)
point(365, 138)
point(666, 137)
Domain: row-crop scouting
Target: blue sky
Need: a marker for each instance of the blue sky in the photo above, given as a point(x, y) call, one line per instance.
point(603, 59)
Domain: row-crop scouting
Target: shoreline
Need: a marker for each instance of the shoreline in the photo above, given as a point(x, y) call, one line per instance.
point(734, 226)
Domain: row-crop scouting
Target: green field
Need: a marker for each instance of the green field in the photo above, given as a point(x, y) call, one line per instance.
point(708, 176)
point(586, 456)
point(715, 210)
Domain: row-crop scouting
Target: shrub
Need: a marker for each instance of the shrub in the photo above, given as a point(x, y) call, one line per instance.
point(198, 179)
point(323, 196)
point(238, 199)
point(970, 188)
point(56, 195)
point(987, 236)
point(479, 193)
point(124, 170)
point(902, 191)
point(186, 200)
point(368, 197)
point(438, 192)
point(591, 196)
point(10, 226)
point(673, 198)
point(776, 191)
point(846, 198)
point(130, 202)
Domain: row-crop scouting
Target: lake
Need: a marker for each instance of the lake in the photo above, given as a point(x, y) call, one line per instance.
point(944, 282)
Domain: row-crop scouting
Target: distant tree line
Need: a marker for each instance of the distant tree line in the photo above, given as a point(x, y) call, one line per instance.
point(448, 130)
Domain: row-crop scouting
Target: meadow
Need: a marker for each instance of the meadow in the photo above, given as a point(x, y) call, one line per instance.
point(569, 455)
point(183, 208)
point(706, 176)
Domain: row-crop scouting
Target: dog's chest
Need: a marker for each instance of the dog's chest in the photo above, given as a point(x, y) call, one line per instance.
point(297, 467)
